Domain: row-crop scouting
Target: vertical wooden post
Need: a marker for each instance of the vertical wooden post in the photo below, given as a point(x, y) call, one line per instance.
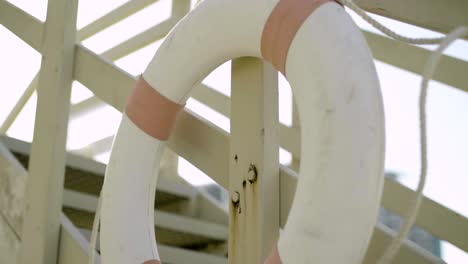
point(254, 169)
point(40, 233)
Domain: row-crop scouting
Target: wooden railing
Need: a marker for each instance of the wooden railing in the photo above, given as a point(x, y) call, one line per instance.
point(208, 147)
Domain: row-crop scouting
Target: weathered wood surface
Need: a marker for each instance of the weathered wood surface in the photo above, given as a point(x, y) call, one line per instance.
point(12, 189)
point(12, 183)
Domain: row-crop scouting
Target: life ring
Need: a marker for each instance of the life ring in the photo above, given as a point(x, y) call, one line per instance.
point(325, 58)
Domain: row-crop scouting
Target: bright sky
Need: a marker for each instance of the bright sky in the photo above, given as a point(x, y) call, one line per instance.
point(447, 106)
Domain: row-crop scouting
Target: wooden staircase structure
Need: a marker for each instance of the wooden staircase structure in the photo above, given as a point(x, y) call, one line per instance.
point(191, 226)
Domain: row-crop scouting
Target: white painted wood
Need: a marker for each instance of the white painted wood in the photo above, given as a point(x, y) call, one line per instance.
point(434, 217)
point(19, 106)
point(181, 189)
point(9, 242)
point(29, 29)
point(289, 136)
point(180, 8)
point(213, 99)
point(84, 107)
point(179, 255)
point(13, 178)
point(183, 256)
point(450, 70)
point(108, 82)
point(141, 40)
point(203, 144)
point(409, 252)
point(163, 219)
point(121, 50)
point(41, 224)
point(12, 186)
point(442, 16)
point(253, 170)
point(127, 9)
point(22, 24)
point(451, 74)
point(73, 247)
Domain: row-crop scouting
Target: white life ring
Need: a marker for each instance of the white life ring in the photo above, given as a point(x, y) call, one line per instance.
point(326, 60)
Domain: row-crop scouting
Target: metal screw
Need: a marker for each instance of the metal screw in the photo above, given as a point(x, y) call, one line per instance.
point(235, 197)
point(252, 173)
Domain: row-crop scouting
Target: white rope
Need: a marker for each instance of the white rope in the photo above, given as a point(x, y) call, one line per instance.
point(429, 69)
point(94, 232)
point(428, 72)
point(386, 30)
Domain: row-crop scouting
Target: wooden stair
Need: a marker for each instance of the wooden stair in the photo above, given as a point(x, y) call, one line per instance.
point(183, 233)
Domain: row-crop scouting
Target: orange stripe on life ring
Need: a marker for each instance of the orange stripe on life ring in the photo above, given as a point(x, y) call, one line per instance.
point(153, 261)
point(152, 112)
point(281, 28)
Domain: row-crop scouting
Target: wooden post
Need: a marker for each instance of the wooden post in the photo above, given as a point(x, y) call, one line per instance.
point(254, 169)
point(40, 233)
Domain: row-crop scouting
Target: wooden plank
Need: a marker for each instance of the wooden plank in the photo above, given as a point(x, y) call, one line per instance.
point(108, 82)
point(41, 224)
point(81, 108)
point(123, 49)
point(19, 105)
point(193, 138)
point(127, 9)
point(441, 16)
point(409, 252)
point(183, 256)
point(141, 40)
point(73, 247)
point(289, 136)
point(434, 217)
point(203, 144)
point(13, 178)
point(450, 70)
point(213, 99)
point(163, 219)
point(254, 164)
point(180, 8)
point(22, 24)
point(9, 242)
point(180, 189)
point(12, 187)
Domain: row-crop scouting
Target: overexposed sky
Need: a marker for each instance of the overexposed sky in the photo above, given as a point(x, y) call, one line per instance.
point(447, 107)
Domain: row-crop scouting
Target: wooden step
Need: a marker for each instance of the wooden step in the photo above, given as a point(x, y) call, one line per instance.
point(74, 249)
point(85, 175)
point(171, 229)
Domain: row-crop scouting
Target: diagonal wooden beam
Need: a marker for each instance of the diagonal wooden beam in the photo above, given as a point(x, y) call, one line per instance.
point(141, 40)
point(451, 71)
point(441, 16)
point(192, 133)
point(22, 24)
point(125, 10)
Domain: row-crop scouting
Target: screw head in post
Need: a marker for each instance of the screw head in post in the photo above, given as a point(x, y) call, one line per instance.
point(252, 173)
point(235, 197)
